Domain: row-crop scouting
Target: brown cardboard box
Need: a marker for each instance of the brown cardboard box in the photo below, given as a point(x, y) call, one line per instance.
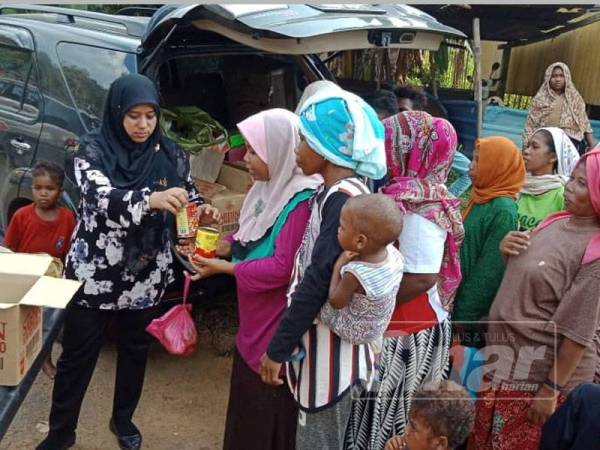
point(235, 177)
point(25, 289)
point(207, 163)
point(227, 194)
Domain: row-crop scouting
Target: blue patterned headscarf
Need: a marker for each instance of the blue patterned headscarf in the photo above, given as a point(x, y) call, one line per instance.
point(343, 129)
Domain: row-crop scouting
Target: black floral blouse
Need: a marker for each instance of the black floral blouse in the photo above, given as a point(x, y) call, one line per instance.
point(120, 248)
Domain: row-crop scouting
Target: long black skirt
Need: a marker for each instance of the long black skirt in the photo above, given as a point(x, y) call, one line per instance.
point(259, 416)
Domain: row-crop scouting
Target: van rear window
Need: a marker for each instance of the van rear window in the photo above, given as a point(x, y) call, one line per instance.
point(89, 71)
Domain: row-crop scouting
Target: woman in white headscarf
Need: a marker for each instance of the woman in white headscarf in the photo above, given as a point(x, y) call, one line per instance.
point(549, 157)
point(272, 223)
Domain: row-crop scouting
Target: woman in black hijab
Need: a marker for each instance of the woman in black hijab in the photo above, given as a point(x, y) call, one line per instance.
point(131, 177)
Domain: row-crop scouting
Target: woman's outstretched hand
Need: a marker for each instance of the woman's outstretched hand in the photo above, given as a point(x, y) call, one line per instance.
point(205, 267)
point(169, 200)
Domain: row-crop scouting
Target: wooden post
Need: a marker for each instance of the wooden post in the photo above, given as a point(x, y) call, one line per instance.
point(477, 86)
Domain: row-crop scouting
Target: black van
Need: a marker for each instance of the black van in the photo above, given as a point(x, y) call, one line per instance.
point(56, 65)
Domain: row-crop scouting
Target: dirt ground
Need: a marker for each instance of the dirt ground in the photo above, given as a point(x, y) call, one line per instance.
point(182, 408)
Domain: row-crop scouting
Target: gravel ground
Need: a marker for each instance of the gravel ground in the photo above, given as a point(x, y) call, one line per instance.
point(183, 406)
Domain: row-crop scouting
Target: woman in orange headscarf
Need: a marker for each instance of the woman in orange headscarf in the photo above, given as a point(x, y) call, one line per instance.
point(498, 173)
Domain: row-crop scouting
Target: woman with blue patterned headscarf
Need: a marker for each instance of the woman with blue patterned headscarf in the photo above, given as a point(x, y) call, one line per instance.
point(345, 130)
point(342, 138)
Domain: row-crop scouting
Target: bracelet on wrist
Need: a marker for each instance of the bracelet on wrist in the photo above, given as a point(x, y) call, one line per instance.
point(552, 385)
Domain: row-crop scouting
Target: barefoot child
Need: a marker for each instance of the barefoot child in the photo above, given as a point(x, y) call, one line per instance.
point(43, 226)
point(367, 275)
point(441, 417)
point(342, 138)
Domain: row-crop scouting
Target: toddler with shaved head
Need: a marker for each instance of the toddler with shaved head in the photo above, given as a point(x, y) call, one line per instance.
point(367, 275)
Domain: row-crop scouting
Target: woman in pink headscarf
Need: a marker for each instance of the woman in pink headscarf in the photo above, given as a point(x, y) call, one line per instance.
point(420, 149)
point(544, 318)
point(272, 223)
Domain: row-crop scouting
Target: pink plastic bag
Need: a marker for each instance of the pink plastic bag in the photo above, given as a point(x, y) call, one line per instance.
point(176, 330)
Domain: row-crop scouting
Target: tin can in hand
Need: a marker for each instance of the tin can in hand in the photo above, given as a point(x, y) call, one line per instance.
point(207, 240)
point(187, 220)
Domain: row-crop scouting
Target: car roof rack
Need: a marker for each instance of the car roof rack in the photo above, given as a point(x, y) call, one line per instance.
point(128, 25)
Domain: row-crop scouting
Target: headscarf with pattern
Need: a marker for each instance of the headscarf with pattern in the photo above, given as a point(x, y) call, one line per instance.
point(573, 117)
point(344, 130)
point(420, 149)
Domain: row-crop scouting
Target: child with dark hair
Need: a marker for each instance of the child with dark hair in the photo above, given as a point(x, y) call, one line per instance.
point(411, 98)
point(441, 417)
point(384, 102)
point(367, 275)
point(43, 226)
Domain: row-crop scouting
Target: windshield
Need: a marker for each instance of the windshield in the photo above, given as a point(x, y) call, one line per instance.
point(89, 71)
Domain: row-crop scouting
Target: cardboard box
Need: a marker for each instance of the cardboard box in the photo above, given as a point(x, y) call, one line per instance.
point(207, 163)
point(235, 177)
point(227, 194)
point(25, 290)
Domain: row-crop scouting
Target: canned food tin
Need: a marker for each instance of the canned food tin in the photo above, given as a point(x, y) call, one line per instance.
point(187, 220)
point(206, 242)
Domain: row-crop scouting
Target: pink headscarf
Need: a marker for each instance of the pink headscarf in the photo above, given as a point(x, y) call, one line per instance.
point(592, 171)
point(253, 130)
point(420, 149)
point(273, 134)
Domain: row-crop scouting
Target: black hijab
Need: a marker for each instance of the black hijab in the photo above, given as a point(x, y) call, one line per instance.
point(128, 164)
point(133, 166)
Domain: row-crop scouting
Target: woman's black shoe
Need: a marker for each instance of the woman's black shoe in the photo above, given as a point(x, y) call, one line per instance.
point(52, 443)
point(131, 442)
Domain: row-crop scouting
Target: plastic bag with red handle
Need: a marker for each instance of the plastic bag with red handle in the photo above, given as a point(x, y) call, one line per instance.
point(176, 330)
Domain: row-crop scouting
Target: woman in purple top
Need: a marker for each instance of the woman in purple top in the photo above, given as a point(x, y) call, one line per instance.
point(272, 223)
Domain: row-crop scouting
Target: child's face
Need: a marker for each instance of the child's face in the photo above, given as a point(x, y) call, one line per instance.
point(419, 436)
point(45, 191)
point(258, 169)
point(346, 234)
point(308, 160)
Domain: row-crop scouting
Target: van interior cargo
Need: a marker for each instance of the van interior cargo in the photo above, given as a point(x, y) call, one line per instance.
point(231, 87)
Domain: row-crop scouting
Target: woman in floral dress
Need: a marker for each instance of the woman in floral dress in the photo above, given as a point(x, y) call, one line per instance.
point(132, 180)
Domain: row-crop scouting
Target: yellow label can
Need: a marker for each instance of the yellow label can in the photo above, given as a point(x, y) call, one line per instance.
point(207, 240)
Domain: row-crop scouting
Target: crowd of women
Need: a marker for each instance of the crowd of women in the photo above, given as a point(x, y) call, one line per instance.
point(516, 273)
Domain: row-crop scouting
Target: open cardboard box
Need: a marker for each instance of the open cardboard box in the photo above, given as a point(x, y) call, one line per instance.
point(25, 290)
point(227, 194)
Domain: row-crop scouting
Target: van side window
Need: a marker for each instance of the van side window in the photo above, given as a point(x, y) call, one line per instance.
point(19, 93)
point(89, 71)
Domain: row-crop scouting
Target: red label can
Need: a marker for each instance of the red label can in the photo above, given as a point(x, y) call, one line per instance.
point(187, 220)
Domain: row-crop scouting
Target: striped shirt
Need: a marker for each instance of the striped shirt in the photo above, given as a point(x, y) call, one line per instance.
point(330, 365)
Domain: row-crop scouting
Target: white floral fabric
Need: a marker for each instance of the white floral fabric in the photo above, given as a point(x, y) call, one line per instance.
point(108, 253)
